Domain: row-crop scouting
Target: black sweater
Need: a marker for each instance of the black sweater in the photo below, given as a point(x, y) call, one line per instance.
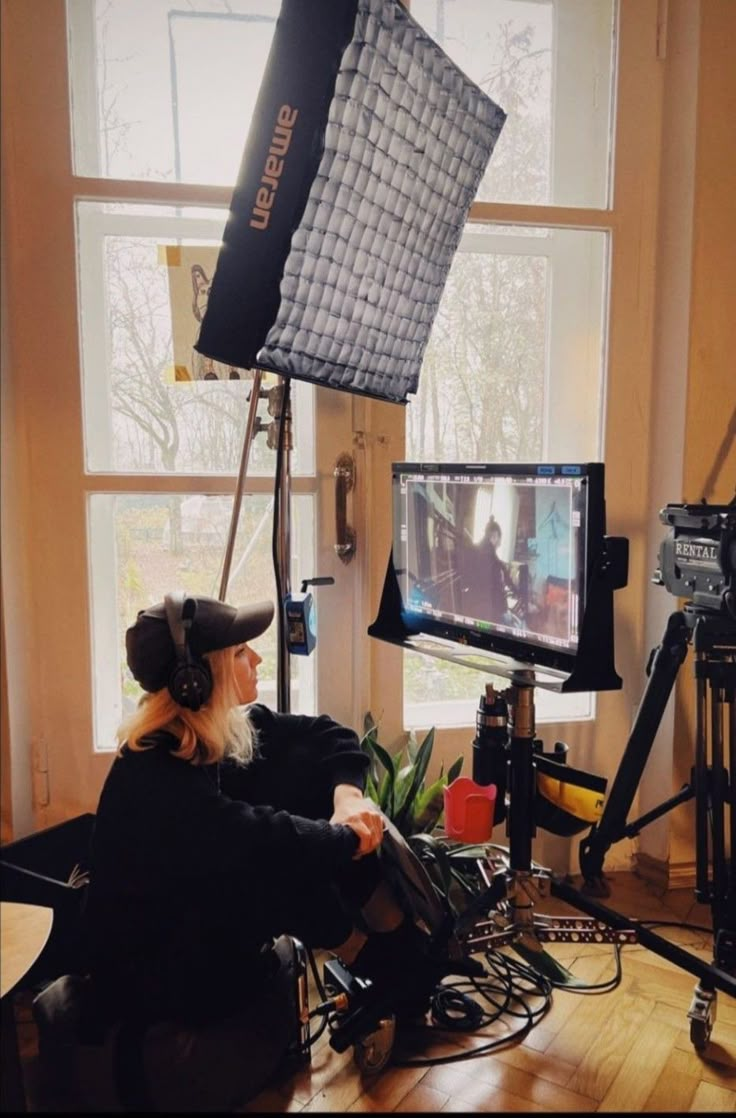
point(192, 867)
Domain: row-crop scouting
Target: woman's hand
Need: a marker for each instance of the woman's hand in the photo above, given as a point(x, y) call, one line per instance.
point(361, 815)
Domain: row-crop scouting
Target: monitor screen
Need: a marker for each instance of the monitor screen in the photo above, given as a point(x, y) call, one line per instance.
point(498, 556)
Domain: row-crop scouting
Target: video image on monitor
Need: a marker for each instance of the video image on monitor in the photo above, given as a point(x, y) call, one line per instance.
point(492, 553)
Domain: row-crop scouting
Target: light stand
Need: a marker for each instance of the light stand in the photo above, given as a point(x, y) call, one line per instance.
point(251, 428)
point(279, 439)
point(279, 406)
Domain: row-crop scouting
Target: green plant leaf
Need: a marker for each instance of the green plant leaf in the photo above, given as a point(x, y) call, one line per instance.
point(389, 763)
point(370, 726)
point(428, 807)
point(406, 808)
point(412, 746)
point(402, 786)
point(386, 786)
point(368, 741)
point(384, 791)
point(369, 747)
point(455, 769)
point(371, 791)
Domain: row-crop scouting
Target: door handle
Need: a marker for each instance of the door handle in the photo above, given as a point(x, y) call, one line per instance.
point(344, 474)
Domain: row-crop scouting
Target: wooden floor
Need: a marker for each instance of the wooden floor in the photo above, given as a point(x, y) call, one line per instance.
point(628, 1050)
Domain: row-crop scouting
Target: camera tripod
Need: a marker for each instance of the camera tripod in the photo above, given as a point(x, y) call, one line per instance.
point(711, 785)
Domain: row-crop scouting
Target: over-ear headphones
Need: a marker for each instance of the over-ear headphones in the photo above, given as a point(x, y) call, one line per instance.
point(190, 682)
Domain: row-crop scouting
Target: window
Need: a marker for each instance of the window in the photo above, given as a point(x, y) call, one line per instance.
point(143, 543)
point(568, 232)
point(159, 93)
point(549, 64)
point(163, 91)
point(141, 269)
point(515, 367)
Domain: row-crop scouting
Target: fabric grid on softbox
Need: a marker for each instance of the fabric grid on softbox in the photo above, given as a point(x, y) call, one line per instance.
point(393, 148)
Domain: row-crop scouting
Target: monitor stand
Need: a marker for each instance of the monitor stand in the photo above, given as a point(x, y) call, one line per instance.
point(515, 885)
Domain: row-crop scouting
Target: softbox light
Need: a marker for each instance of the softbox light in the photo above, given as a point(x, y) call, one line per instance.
point(366, 150)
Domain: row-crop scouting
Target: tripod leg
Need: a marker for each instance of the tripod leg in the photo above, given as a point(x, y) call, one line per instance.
point(732, 791)
point(723, 903)
point(718, 794)
point(700, 784)
point(664, 666)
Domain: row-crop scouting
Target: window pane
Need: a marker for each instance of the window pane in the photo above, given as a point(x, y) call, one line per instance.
point(147, 545)
point(456, 692)
point(166, 91)
point(549, 64)
point(144, 275)
point(513, 372)
point(481, 387)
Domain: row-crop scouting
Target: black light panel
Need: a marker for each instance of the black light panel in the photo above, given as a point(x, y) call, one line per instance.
point(367, 147)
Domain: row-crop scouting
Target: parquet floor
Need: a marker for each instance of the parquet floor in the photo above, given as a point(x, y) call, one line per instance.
point(624, 1051)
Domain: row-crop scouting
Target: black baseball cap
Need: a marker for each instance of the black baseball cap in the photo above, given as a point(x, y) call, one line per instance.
point(150, 646)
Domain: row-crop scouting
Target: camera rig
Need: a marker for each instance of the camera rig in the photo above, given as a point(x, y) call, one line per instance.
point(698, 559)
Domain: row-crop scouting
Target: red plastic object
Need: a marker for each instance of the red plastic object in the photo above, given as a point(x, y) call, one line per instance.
point(469, 810)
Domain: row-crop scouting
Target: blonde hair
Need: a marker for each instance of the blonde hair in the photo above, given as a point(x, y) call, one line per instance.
point(221, 728)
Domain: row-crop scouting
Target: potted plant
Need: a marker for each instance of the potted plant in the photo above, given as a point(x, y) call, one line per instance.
point(396, 782)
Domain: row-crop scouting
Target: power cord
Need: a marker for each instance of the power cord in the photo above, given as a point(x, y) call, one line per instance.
point(676, 924)
point(510, 988)
point(597, 987)
point(327, 1006)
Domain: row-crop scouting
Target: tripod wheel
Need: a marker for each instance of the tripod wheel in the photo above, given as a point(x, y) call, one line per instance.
point(702, 1015)
point(700, 1034)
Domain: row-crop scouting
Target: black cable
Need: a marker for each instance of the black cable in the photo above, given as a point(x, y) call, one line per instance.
point(315, 974)
point(506, 985)
point(455, 1010)
point(597, 987)
point(675, 924)
point(314, 1037)
point(509, 988)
